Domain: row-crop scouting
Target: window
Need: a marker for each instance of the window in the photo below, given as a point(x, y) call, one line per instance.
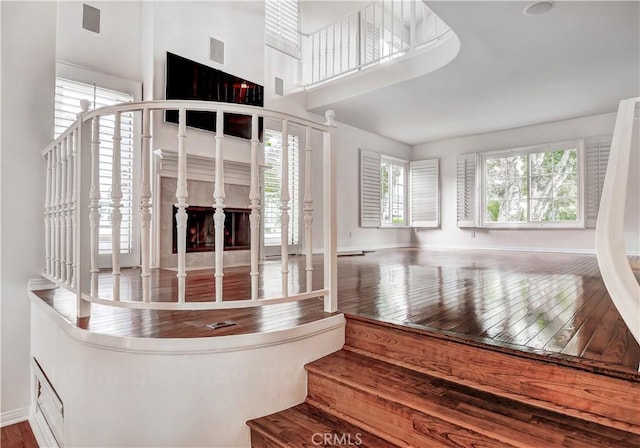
point(394, 192)
point(533, 186)
point(281, 25)
point(67, 106)
point(272, 188)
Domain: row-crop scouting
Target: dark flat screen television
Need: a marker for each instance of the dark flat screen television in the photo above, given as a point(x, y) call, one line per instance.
point(189, 80)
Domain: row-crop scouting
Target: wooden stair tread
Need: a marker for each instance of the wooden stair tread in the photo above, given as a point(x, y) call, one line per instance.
point(305, 426)
point(484, 413)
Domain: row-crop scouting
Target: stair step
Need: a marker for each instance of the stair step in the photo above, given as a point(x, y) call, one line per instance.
point(422, 410)
point(307, 426)
point(575, 392)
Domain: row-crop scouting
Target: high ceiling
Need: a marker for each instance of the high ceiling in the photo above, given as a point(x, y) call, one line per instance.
point(513, 70)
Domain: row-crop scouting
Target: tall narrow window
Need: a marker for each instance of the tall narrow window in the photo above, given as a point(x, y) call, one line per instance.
point(272, 188)
point(393, 191)
point(67, 106)
point(282, 25)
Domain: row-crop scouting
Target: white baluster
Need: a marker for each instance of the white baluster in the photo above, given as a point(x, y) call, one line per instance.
point(58, 213)
point(330, 222)
point(47, 216)
point(412, 28)
point(145, 206)
point(308, 209)
point(181, 205)
point(116, 204)
point(94, 203)
point(63, 209)
point(284, 208)
point(69, 212)
point(254, 218)
point(219, 197)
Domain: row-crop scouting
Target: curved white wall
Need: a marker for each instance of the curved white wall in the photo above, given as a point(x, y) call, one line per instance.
point(128, 392)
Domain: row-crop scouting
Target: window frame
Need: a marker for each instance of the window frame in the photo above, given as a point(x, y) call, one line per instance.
point(578, 145)
point(405, 215)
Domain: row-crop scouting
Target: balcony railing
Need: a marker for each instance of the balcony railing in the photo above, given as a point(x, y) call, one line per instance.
point(73, 206)
point(610, 245)
point(380, 32)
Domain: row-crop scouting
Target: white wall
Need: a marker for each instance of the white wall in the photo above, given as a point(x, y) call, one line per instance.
point(128, 392)
point(28, 72)
point(115, 50)
point(449, 235)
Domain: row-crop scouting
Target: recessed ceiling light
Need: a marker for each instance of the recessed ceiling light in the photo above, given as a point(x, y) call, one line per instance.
point(537, 8)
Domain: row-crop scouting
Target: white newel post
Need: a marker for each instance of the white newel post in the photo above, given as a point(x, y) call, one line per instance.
point(330, 222)
point(47, 216)
point(219, 198)
point(57, 205)
point(145, 206)
point(308, 209)
point(74, 205)
point(116, 204)
point(181, 205)
point(284, 208)
point(254, 218)
point(80, 220)
point(94, 203)
point(70, 210)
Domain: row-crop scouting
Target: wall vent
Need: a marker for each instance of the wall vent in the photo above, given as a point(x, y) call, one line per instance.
point(216, 50)
point(279, 86)
point(90, 18)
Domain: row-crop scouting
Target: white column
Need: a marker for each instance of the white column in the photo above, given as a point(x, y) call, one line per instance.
point(219, 197)
point(284, 208)
point(330, 222)
point(181, 205)
point(145, 206)
point(58, 208)
point(116, 204)
point(254, 197)
point(308, 209)
point(94, 203)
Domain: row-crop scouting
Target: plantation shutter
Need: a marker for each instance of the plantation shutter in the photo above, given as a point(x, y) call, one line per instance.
point(369, 188)
point(281, 26)
point(466, 185)
point(67, 106)
point(597, 158)
point(424, 184)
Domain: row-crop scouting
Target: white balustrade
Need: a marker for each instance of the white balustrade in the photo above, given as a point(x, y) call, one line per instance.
point(66, 219)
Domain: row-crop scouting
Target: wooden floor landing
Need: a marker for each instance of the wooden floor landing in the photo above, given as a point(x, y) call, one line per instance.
point(542, 304)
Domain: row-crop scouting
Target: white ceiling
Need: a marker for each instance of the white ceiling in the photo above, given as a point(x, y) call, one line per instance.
point(513, 70)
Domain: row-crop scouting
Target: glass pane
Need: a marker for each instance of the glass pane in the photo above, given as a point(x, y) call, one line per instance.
point(541, 186)
point(516, 188)
point(493, 210)
point(566, 186)
point(541, 210)
point(516, 211)
point(496, 190)
point(565, 210)
point(496, 169)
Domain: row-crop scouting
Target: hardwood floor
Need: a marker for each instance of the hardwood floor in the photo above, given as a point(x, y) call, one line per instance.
point(18, 435)
point(547, 305)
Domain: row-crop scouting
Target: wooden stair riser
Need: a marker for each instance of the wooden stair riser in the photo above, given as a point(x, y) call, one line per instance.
point(400, 422)
point(605, 400)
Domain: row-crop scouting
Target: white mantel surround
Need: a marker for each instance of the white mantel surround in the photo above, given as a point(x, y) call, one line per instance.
point(200, 185)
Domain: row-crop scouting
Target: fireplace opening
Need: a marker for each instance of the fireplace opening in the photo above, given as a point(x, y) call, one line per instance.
point(201, 230)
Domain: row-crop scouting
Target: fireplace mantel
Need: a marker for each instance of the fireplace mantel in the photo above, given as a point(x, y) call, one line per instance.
point(203, 168)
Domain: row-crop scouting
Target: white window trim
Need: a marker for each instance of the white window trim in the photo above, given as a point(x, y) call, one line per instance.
point(481, 200)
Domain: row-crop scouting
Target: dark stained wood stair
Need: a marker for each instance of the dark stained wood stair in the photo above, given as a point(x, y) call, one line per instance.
point(399, 386)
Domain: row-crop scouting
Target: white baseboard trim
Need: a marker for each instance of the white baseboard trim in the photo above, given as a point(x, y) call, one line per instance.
point(14, 416)
point(517, 249)
point(368, 247)
point(41, 431)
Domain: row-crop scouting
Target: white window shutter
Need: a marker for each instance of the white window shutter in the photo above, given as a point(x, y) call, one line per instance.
point(466, 182)
point(596, 160)
point(282, 25)
point(425, 193)
point(369, 188)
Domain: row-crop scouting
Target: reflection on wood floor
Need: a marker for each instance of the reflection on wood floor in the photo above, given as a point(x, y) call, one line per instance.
point(539, 303)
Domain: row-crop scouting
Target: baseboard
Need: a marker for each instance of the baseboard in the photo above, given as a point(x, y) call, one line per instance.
point(368, 247)
point(509, 249)
point(41, 431)
point(14, 416)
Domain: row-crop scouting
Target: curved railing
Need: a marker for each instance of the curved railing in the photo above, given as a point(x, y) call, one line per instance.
point(379, 32)
point(73, 205)
point(610, 248)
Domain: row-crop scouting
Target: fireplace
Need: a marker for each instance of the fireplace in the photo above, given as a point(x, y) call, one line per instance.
point(201, 233)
